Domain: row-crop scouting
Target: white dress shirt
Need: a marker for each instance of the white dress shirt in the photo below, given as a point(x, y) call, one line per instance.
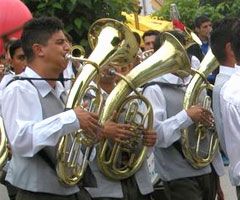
point(68, 73)
point(194, 62)
point(6, 78)
point(224, 74)
point(226, 70)
point(230, 109)
point(168, 130)
point(22, 113)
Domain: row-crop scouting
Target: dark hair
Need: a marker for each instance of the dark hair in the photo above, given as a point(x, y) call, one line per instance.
point(138, 38)
point(157, 42)
point(69, 37)
point(8, 44)
point(38, 30)
point(179, 36)
point(14, 46)
point(236, 43)
point(149, 33)
point(159, 39)
point(221, 34)
point(200, 20)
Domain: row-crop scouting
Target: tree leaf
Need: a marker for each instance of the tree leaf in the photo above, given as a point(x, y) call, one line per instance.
point(57, 5)
point(41, 5)
point(78, 23)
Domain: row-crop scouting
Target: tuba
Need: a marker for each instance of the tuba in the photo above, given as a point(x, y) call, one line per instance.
point(3, 145)
point(198, 154)
point(122, 160)
point(113, 43)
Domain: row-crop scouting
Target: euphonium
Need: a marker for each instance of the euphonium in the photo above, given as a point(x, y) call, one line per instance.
point(171, 57)
point(197, 154)
point(114, 43)
point(3, 145)
point(191, 38)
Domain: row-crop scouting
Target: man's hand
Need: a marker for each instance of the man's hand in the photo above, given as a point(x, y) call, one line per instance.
point(2, 69)
point(200, 114)
point(149, 138)
point(9, 151)
point(88, 121)
point(115, 131)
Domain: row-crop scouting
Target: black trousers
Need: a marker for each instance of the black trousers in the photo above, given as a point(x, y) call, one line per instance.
point(12, 191)
point(26, 195)
point(130, 191)
point(194, 188)
point(238, 192)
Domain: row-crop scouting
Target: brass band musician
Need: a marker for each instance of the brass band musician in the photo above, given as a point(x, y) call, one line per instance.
point(34, 116)
point(181, 180)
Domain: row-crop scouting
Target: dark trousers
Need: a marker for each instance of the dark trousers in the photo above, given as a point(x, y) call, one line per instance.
point(238, 192)
point(194, 188)
point(12, 191)
point(26, 195)
point(130, 191)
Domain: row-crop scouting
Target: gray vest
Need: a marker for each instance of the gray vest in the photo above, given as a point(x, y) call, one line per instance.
point(171, 163)
point(219, 82)
point(34, 173)
point(112, 188)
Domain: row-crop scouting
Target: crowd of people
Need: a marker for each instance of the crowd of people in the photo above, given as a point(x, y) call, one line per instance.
point(36, 78)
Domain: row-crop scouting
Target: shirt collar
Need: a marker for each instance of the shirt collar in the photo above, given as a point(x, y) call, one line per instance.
point(237, 67)
point(226, 70)
point(42, 85)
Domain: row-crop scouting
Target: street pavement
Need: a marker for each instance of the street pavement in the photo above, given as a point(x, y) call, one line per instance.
point(228, 189)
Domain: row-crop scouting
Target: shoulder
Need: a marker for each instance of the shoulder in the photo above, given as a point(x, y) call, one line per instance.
point(24, 86)
point(193, 47)
point(152, 86)
point(230, 91)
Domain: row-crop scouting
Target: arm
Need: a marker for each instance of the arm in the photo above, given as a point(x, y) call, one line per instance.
point(168, 130)
point(231, 127)
point(27, 131)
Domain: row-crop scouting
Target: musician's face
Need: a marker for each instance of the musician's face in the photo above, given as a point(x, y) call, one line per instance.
point(106, 76)
point(204, 30)
point(55, 50)
point(148, 42)
point(18, 61)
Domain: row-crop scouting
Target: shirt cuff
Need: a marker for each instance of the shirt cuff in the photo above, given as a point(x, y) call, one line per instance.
point(183, 119)
point(70, 120)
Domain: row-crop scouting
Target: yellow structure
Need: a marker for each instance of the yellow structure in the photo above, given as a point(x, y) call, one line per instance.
point(147, 23)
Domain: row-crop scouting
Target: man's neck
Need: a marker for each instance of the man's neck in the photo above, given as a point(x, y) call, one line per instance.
point(45, 74)
point(203, 39)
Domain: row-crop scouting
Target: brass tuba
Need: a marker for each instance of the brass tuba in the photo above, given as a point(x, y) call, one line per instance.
point(114, 43)
point(3, 145)
point(171, 57)
point(192, 148)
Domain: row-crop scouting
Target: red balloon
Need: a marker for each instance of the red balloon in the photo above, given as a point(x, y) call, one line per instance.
point(13, 14)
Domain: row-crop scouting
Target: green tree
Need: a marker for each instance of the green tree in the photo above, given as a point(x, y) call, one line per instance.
point(213, 2)
point(189, 9)
point(78, 15)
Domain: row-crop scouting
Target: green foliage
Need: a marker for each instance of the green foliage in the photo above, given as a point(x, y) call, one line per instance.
point(78, 15)
point(189, 9)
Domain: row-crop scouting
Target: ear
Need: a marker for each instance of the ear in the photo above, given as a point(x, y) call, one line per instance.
point(38, 50)
point(197, 30)
point(228, 49)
